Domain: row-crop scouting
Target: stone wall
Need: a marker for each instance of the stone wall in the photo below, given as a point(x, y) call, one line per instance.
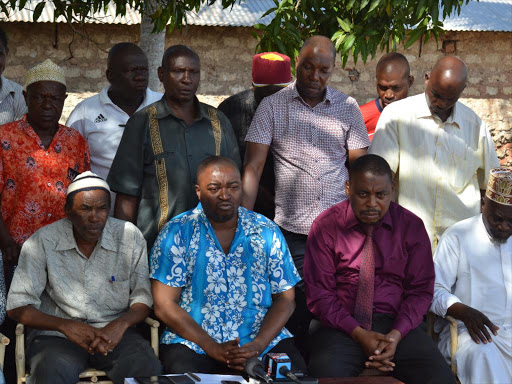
point(226, 55)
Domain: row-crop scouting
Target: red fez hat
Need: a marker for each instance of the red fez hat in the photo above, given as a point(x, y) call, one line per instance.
point(271, 68)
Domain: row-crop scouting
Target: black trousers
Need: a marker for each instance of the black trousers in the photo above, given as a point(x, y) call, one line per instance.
point(56, 360)
point(298, 324)
point(178, 358)
point(417, 359)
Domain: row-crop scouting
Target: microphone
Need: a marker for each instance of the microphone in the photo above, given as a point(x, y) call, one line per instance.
point(285, 371)
point(254, 368)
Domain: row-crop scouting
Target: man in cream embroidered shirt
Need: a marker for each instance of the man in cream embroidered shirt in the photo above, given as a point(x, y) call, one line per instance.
point(439, 150)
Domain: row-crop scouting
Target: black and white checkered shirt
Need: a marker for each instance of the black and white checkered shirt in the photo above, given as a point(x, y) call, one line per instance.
point(310, 150)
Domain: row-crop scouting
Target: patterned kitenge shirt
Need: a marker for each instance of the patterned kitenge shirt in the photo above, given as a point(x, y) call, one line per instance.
point(34, 180)
point(228, 295)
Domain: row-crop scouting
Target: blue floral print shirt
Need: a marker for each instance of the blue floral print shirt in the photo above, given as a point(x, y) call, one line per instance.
point(228, 295)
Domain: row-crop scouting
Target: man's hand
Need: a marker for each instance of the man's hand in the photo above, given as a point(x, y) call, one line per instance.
point(11, 252)
point(238, 357)
point(81, 334)
point(475, 321)
point(370, 340)
point(385, 353)
point(108, 337)
point(220, 351)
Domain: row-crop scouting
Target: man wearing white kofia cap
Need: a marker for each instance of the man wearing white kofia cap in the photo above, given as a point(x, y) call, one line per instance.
point(473, 264)
point(81, 285)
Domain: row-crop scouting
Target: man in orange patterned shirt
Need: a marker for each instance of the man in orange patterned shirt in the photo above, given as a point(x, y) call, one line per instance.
point(38, 160)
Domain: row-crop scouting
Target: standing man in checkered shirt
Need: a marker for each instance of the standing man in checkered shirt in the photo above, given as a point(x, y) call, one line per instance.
point(312, 130)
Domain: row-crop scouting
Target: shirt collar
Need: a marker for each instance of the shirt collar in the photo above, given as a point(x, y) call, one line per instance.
point(25, 127)
point(163, 109)
point(67, 241)
point(6, 88)
point(351, 220)
point(295, 93)
point(105, 98)
point(455, 118)
point(244, 220)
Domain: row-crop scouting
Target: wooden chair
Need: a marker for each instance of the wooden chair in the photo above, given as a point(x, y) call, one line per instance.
point(89, 375)
point(4, 341)
point(454, 337)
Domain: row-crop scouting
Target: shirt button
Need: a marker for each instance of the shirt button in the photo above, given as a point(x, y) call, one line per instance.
point(46, 153)
point(318, 198)
point(49, 215)
point(49, 184)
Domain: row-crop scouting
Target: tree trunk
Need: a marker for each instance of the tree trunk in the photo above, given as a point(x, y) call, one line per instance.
point(153, 45)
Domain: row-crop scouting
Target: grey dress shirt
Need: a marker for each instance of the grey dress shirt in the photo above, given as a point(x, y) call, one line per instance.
point(12, 102)
point(57, 279)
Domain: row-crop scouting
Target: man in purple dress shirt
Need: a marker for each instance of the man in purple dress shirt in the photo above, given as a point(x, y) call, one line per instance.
point(403, 282)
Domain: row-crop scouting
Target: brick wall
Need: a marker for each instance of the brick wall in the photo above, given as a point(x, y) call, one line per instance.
point(226, 57)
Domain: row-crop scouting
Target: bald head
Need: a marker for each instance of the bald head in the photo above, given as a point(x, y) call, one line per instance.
point(393, 62)
point(444, 85)
point(176, 51)
point(451, 71)
point(215, 161)
point(319, 44)
point(120, 51)
point(394, 78)
point(315, 65)
point(127, 73)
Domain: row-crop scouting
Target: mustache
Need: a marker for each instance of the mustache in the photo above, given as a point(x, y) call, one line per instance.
point(370, 211)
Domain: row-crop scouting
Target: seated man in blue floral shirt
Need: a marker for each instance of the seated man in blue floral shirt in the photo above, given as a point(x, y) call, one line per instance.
point(223, 280)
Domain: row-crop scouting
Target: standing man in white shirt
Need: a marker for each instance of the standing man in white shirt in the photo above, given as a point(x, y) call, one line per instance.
point(101, 118)
point(439, 150)
point(473, 265)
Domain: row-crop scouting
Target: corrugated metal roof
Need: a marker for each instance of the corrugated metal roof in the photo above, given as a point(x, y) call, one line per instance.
point(484, 15)
point(246, 14)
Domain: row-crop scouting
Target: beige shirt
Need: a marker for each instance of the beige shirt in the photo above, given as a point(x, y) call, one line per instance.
point(57, 279)
point(440, 167)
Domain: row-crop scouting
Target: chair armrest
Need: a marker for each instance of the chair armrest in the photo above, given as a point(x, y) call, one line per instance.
point(153, 326)
point(454, 341)
point(3, 342)
point(20, 352)
point(152, 322)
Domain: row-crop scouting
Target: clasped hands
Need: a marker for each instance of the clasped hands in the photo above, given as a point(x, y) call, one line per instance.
point(379, 348)
point(232, 354)
point(94, 340)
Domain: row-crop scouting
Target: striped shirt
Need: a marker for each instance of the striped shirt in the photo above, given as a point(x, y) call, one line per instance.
point(310, 147)
point(12, 102)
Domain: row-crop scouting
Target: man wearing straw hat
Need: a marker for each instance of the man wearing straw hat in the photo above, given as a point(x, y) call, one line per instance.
point(473, 265)
point(81, 285)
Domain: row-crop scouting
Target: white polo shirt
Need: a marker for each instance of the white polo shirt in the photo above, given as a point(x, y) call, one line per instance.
point(102, 124)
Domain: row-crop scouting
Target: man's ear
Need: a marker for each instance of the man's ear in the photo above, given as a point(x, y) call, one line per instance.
point(108, 74)
point(347, 187)
point(411, 80)
point(198, 192)
point(427, 77)
point(160, 73)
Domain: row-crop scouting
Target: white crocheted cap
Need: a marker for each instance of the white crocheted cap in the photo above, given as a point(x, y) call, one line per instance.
point(87, 181)
point(46, 71)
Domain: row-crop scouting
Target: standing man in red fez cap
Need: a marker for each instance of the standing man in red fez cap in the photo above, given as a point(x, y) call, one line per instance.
point(271, 72)
point(312, 130)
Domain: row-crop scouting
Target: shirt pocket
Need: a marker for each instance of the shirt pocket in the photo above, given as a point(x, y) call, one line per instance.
point(462, 164)
point(116, 297)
